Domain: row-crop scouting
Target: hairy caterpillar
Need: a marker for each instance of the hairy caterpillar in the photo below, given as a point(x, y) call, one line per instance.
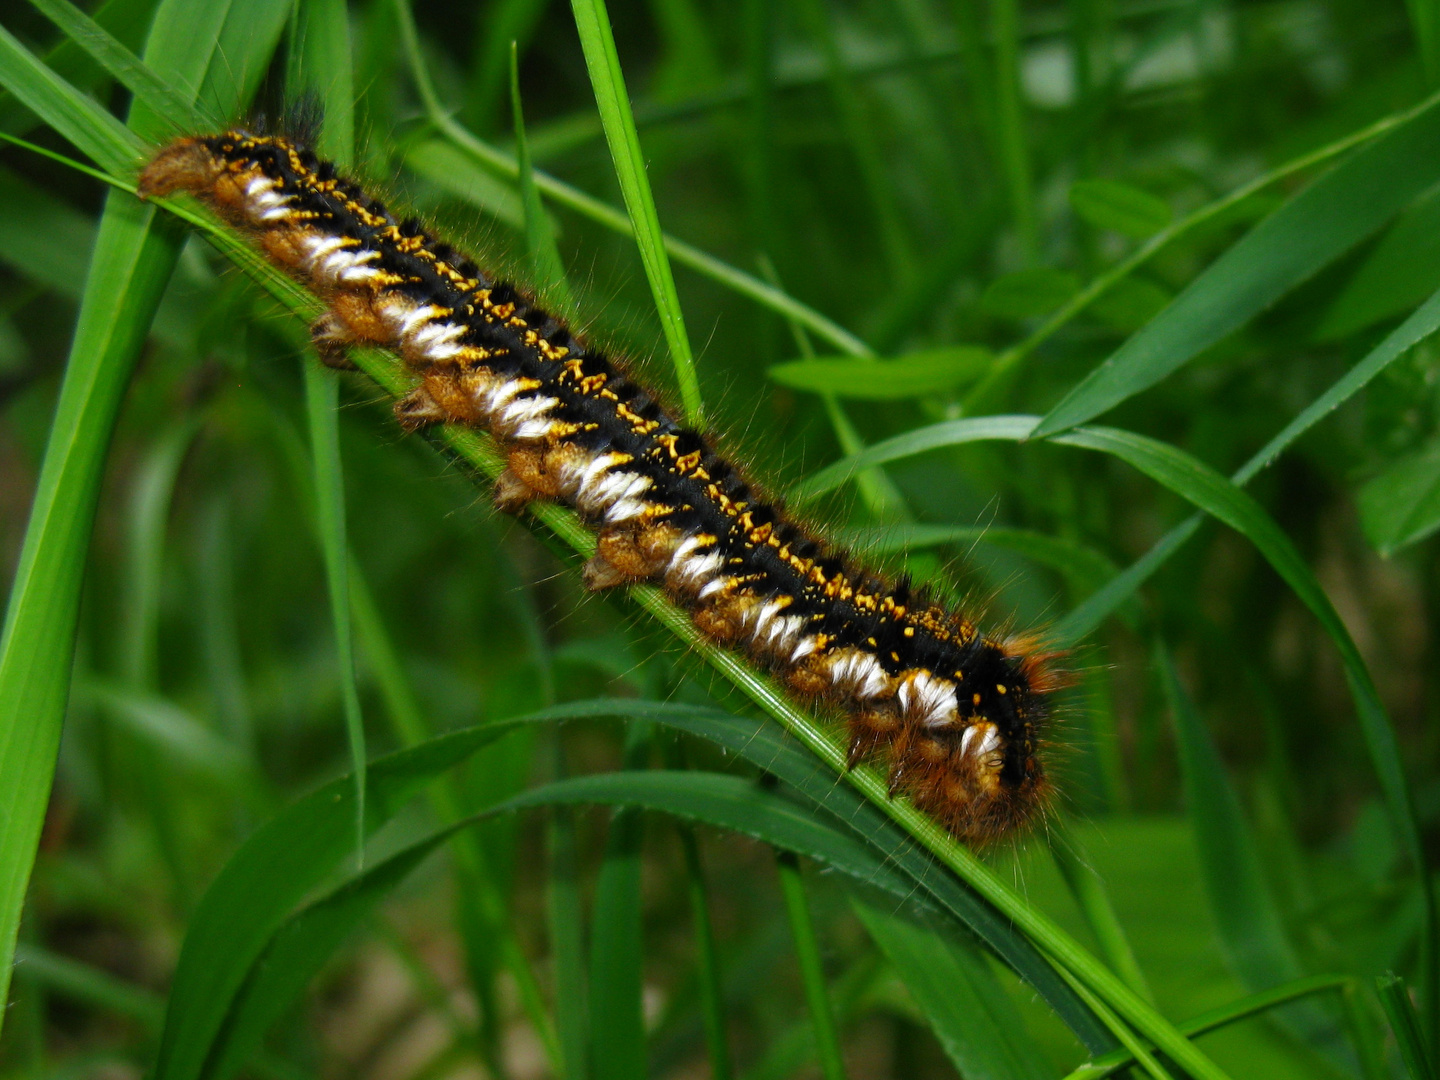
point(958, 716)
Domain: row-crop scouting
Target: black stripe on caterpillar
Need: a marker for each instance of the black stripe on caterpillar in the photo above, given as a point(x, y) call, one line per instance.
point(959, 716)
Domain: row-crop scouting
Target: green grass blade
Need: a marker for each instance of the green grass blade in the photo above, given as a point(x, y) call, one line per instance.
point(297, 952)
point(1217, 1018)
point(77, 118)
point(127, 68)
point(93, 986)
point(593, 23)
point(1328, 218)
point(1093, 900)
point(1409, 1036)
point(812, 971)
point(268, 876)
point(322, 402)
point(567, 946)
point(707, 958)
point(859, 132)
point(1010, 124)
point(320, 66)
point(1221, 498)
point(981, 1030)
point(128, 272)
point(1245, 912)
point(771, 750)
point(1423, 322)
point(617, 945)
point(149, 519)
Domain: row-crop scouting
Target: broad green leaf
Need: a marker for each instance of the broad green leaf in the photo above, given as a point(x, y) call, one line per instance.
point(968, 1009)
point(1317, 226)
point(598, 43)
point(1028, 293)
point(918, 374)
point(1109, 204)
point(274, 869)
point(1402, 505)
point(1396, 276)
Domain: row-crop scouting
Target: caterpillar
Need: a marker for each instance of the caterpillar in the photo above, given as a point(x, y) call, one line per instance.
point(958, 716)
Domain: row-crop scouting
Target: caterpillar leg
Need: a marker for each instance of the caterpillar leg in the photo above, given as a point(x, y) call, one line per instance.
point(332, 342)
point(418, 409)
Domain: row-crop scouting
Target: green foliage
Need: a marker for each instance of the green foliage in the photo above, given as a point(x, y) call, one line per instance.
point(294, 657)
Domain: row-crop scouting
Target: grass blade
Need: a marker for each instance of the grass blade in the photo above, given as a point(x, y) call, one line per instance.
point(128, 272)
point(1409, 1036)
point(812, 971)
point(593, 22)
point(617, 947)
point(322, 402)
point(1328, 218)
point(268, 876)
point(980, 1029)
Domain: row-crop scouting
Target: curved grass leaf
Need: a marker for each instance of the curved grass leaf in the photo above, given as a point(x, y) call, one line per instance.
point(299, 950)
point(1328, 218)
point(918, 374)
point(775, 752)
point(269, 875)
point(1423, 322)
point(969, 1012)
